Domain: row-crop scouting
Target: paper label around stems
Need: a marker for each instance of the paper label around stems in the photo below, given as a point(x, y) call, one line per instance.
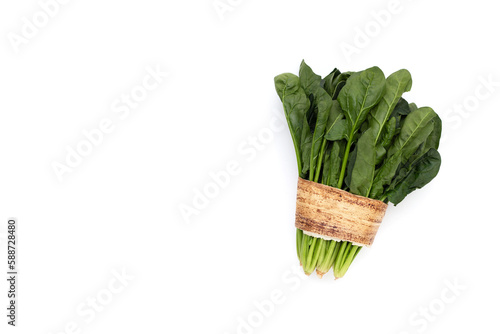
point(334, 214)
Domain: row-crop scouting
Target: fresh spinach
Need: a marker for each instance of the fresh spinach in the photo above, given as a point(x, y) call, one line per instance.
point(417, 175)
point(355, 131)
point(369, 153)
point(360, 94)
point(295, 105)
point(311, 84)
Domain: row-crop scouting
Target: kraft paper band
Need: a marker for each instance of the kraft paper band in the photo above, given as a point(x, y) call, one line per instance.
point(334, 214)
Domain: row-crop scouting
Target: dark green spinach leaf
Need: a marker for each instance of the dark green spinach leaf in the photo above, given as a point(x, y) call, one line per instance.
point(419, 173)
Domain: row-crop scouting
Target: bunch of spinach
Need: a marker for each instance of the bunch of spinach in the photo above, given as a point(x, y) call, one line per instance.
point(354, 131)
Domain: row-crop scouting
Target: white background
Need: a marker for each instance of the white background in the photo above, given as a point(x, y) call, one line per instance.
point(119, 209)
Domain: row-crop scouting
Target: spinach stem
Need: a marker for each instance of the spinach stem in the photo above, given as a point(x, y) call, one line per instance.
point(299, 242)
point(294, 139)
point(299, 160)
point(348, 256)
point(320, 160)
point(344, 161)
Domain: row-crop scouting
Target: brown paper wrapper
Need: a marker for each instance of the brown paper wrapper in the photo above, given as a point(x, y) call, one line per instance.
point(334, 214)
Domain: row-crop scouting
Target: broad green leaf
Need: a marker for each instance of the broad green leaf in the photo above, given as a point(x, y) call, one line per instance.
point(338, 131)
point(366, 158)
point(412, 107)
point(399, 121)
point(295, 106)
point(421, 172)
point(396, 84)
point(380, 153)
point(328, 81)
point(334, 82)
point(337, 90)
point(435, 136)
point(400, 173)
point(334, 125)
point(337, 127)
point(309, 80)
point(431, 142)
point(400, 112)
point(402, 108)
point(339, 83)
point(363, 170)
point(415, 130)
point(361, 93)
point(363, 90)
point(305, 145)
point(286, 82)
point(389, 132)
point(334, 164)
point(341, 78)
point(365, 125)
point(384, 175)
point(312, 113)
point(311, 83)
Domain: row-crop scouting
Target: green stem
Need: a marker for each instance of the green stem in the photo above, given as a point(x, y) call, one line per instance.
point(317, 251)
point(303, 249)
point(337, 263)
point(292, 133)
point(346, 253)
point(299, 162)
point(322, 254)
point(320, 159)
point(345, 260)
point(325, 263)
point(310, 253)
point(348, 261)
point(329, 255)
point(338, 244)
point(299, 241)
point(344, 161)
